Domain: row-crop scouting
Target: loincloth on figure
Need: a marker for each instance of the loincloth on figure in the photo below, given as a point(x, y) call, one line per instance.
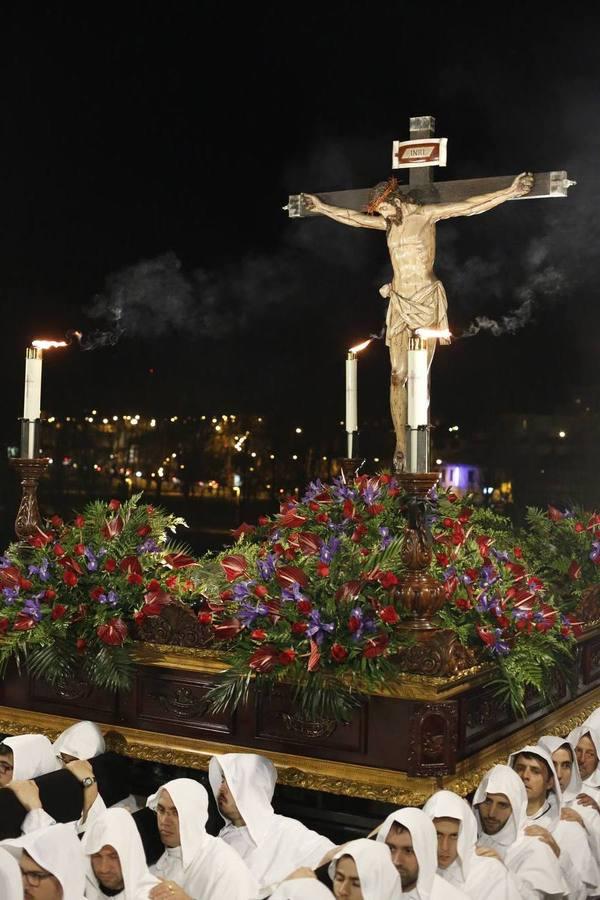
point(427, 308)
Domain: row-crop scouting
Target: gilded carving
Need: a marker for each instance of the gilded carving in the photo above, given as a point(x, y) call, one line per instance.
point(181, 702)
point(308, 728)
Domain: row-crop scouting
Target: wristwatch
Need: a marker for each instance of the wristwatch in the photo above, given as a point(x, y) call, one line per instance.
point(89, 781)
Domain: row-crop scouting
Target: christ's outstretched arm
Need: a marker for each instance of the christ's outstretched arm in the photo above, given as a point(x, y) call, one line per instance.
point(345, 216)
point(474, 205)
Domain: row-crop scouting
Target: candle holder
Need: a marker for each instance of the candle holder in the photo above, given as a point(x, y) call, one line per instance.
point(350, 467)
point(28, 519)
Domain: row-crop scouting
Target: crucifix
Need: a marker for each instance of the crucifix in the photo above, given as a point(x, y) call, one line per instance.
point(408, 214)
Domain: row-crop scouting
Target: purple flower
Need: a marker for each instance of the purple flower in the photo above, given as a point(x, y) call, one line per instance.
point(386, 540)
point(486, 576)
point(90, 560)
point(41, 571)
point(499, 646)
point(357, 615)
point(292, 593)
point(317, 629)
point(266, 567)
point(487, 604)
point(5, 562)
point(243, 589)
point(110, 599)
point(149, 546)
point(500, 555)
point(341, 490)
point(248, 613)
point(10, 594)
point(32, 608)
point(314, 489)
point(371, 493)
point(595, 552)
point(329, 549)
point(449, 573)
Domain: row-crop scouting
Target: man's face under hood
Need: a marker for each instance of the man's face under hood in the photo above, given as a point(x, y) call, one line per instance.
point(494, 811)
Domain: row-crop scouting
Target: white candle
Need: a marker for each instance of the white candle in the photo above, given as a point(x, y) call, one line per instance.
point(352, 396)
point(33, 384)
point(418, 394)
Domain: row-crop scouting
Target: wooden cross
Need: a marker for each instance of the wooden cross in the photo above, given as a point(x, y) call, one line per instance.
point(425, 190)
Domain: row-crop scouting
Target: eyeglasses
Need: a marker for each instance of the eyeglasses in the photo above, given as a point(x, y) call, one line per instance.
point(34, 878)
point(5, 768)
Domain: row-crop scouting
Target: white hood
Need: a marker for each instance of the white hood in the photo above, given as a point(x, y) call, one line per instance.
point(379, 879)
point(83, 741)
point(251, 779)
point(504, 780)
point(116, 828)
point(301, 889)
point(554, 797)
point(552, 744)
point(56, 849)
point(424, 841)
point(447, 804)
point(191, 801)
point(593, 721)
point(11, 883)
point(573, 739)
point(33, 756)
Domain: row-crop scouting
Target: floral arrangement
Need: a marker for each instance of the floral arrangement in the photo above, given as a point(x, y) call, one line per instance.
point(308, 596)
point(311, 593)
point(69, 598)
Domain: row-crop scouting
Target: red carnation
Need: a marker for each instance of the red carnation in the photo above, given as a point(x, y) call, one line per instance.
point(518, 553)
point(114, 505)
point(58, 550)
point(338, 653)
point(579, 527)
point(258, 634)
point(78, 549)
point(144, 531)
point(49, 594)
point(304, 607)
point(260, 590)
point(353, 624)
point(110, 564)
point(56, 521)
point(322, 518)
point(226, 596)
point(153, 586)
point(299, 627)
point(113, 632)
point(80, 644)
point(322, 570)
point(25, 584)
point(387, 580)
point(389, 615)
point(358, 533)
point(58, 612)
point(204, 617)
point(4, 623)
point(135, 578)
point(263, 520)
point(554, 514)
point(447, 522)
point(79, 521)
point(70, 578)
point(97, 592)
point(286, 657)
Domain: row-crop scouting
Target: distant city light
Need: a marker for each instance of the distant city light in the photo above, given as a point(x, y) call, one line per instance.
point(152, 423)
point(324, 459)
point(161, 472)
point(115, 418)
point(453, 428)
point(298, 430)
point(271, 456)
point(438, 462)
point(294, 456)
point(375, 459)
point(51, 419)
point(94, 412)
point(138, 474)
point(562, 434)
point(173, 456)
point(105, 421)
point(253, 454)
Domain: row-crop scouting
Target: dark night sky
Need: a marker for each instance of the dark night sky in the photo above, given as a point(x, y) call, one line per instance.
point(147, 150)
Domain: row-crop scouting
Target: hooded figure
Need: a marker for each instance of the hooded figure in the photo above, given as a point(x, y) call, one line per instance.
point(576, 860)
point(57, 850)
point(533, 864)
point(204, 866)
point(378, 877)
point(589, 815)
point(593, 720)
point(83, 740)
point(116, 828)
point(591, 781)
point(272, 846)
point(429, 885)
point(11, 882)
point(32, 756)
point(477, 876)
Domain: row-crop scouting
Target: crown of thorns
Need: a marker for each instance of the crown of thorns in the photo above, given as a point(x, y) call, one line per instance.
point(382, 192)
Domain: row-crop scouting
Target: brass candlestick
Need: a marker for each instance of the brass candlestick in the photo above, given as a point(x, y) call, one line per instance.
point(28, 519)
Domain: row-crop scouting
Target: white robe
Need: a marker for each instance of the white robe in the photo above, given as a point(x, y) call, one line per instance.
point(270, 845)
point(117, 829)
point(576, 860)
point(590, 816)
point(378, 877)
point(591, 784)
point(57, 850)
point(429, 885)
point(533, 864)
point(479, 877)
point(204, 866)
point(83, 740)
point(11, 883)
point(301, 889)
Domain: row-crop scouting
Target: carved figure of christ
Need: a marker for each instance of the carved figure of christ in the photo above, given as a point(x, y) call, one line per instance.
point(416, 297)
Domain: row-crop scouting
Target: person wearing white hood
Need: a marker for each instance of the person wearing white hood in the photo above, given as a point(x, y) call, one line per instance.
point(500, 806)
point(411, 839)
point(26, 756)
point(585, 741)
point(363, 870)
point(533, 764)
point(569, 779)
point(11, 881)
point(204, 866)
point(115, 860)
point(51, 863)
point(458, 862)
point(271, 845)
point(301, 887)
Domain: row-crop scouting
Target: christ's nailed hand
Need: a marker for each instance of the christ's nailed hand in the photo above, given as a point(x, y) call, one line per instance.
point(310, 201)
point(523, 184)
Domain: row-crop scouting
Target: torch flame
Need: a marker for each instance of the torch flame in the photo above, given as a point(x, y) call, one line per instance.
point(48, 345)
point(441, 333)
point(360, 347)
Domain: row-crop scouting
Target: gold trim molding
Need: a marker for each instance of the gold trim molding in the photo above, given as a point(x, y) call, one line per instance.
point(311, 773)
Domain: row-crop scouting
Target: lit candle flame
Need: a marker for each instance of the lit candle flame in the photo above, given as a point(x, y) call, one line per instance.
point(360, 347)
point(441, 334)
point(48, 345)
